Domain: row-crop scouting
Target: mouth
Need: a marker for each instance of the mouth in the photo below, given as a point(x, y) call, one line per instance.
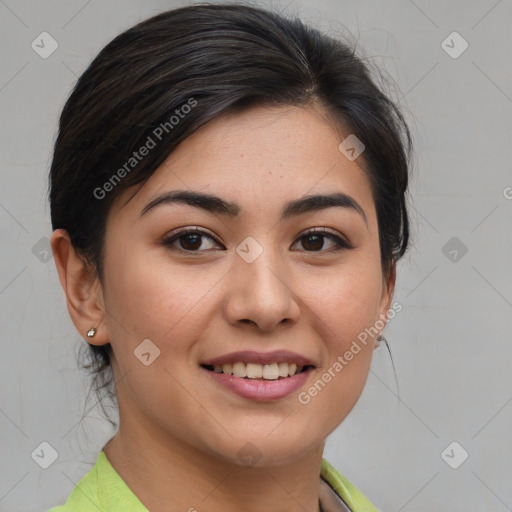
point(260, 376)
point(255, 371)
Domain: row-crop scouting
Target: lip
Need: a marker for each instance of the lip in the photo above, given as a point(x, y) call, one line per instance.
point(260, 390)
point(252, 356)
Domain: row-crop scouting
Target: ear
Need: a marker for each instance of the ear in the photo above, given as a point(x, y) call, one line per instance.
point(84, 294)
point(388, 287)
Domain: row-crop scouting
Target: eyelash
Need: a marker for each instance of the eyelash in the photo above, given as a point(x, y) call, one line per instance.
point(340, 242)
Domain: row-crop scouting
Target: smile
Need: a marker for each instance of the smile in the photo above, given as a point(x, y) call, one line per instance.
point(272, 371)
point(259, 382)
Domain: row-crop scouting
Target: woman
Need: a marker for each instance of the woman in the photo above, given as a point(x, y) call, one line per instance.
point(228, 203)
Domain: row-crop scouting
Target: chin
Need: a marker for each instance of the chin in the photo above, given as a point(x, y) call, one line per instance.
point(263, 450)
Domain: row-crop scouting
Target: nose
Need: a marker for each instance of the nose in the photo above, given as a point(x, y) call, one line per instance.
point(260, 293)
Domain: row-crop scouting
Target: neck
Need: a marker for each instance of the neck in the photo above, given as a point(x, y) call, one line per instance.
point(167, 474)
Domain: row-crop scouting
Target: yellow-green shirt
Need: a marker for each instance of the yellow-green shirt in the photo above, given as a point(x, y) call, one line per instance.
point(103, 490)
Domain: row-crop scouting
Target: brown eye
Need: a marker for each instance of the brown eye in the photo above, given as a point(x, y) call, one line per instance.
point(189, 240)
point(314, 241)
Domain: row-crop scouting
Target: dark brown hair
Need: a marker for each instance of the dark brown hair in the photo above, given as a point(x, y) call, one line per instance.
point(215, 58)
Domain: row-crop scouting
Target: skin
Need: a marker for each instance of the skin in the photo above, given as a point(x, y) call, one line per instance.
point(179, 432)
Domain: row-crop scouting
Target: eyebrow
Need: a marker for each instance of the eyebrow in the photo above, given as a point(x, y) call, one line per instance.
point(214, 204)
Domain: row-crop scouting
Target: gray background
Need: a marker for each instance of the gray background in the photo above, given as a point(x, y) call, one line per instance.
point(450, 343)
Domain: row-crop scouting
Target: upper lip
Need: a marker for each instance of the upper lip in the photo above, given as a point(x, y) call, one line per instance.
point(252, 356)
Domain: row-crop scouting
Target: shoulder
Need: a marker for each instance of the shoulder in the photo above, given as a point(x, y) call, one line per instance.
point(352, 496)
point(101, 489)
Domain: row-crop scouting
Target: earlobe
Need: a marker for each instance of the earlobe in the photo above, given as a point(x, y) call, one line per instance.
point(82, 289)
point(378, 340)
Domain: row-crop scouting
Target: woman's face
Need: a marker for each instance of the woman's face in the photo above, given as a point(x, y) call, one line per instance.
point(248, 280)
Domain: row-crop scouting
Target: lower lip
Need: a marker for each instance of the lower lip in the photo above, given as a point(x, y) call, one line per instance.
point(262, 390)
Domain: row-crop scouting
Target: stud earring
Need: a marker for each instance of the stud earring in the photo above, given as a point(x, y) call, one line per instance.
point(91, 332)
point(381, 338)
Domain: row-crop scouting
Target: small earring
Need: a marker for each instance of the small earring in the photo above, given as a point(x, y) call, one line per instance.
point(381, 338)
point(91, 332)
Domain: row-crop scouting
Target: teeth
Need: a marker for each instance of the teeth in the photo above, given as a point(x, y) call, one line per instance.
point(271, 371)
point(239, 370)
point(254, 371)
point(258, 371)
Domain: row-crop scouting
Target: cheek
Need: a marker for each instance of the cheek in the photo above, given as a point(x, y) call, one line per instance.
point(345, 303)
point(344, 306)
point(151, 297)
point(148, 298)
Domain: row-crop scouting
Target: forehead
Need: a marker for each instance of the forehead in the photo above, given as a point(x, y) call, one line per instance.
point(261, 157)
